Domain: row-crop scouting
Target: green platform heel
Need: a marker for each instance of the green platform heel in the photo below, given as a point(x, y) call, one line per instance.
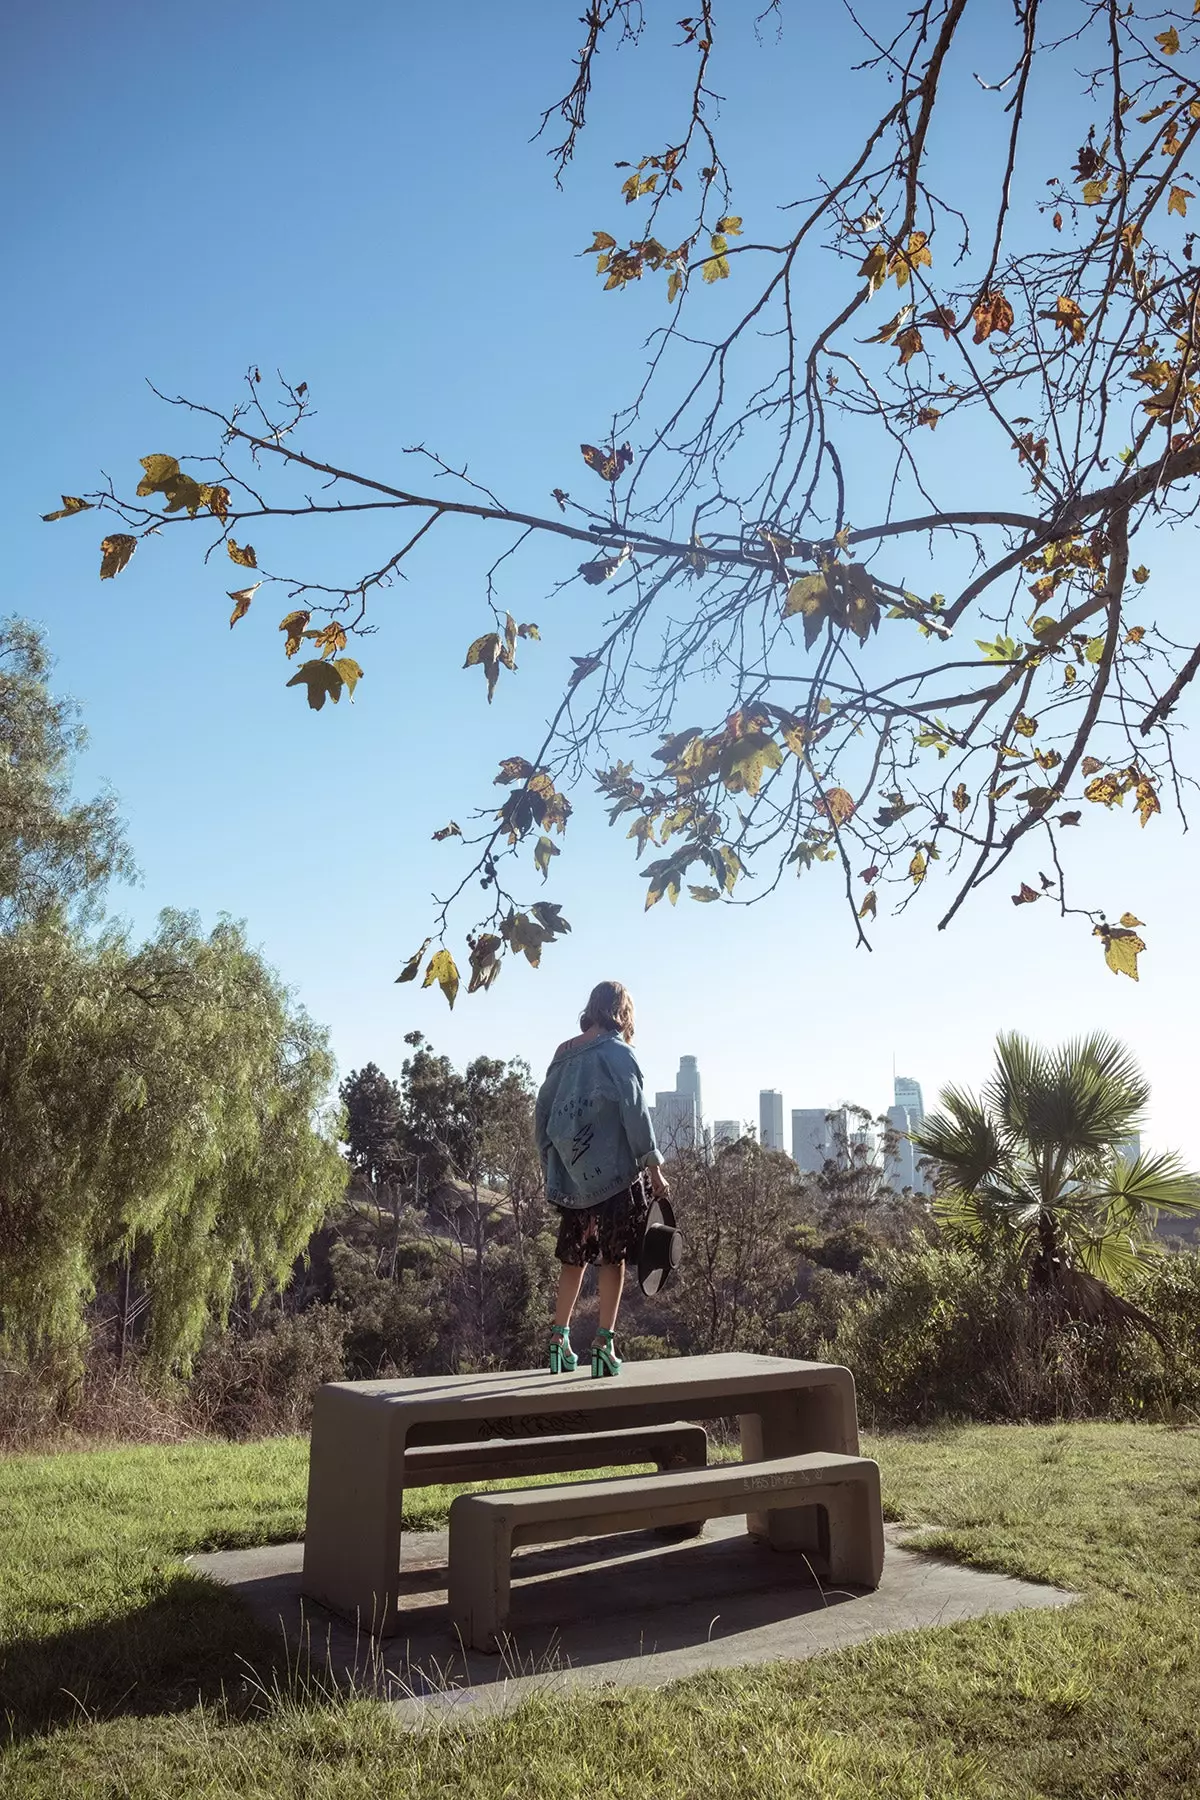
point(562, 1358)
point(605, 1360)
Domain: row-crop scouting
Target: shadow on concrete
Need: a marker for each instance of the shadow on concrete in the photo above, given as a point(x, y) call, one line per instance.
point(628, 1610)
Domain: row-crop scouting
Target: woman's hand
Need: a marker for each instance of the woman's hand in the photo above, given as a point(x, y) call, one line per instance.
point(659, 1186)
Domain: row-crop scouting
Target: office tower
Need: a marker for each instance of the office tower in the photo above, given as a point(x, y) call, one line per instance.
point(688, 1082)
point(770, 1119)
point(810, 1138)
point(900, 1168)
point(676, 1127)
point(908, 1095)
point(726, 1131)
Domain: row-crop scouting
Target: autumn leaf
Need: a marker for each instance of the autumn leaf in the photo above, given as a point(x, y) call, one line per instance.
point(961, 798)
point(161, 472)
point(917, 868)
point(1068, 317)
point(715, 268)
point(513, 768)
point(875, 268)
point(441, 965)
point(1146, 800)
point(731, 224)
point(1130, 921)
point(705, 894)
point(543, 850)
point(836, 804)
point(321, 680)
point(745, 761)
point(1090, 764)
point(887, 332)
point(332, 638)
point(412, 967)
point(1069, 818)
point(808, 595)
point(868, 907)
point(608, 464)
point(1177, 203)
point(241, 602)
point(242, 554)
point(529, 631)
point(71, 504)
point(1121, 949)
point(993, 314)
point(584, 666)
point(350, 673)
point(486, 652)
point(929, 415)
point(294, 625)
point(908, 342)
point(485, 964)
point(1024, 726)
point(448, 831)
point(1169, 40)
point(218, 502)
point(115, 553)
point(1025, 895)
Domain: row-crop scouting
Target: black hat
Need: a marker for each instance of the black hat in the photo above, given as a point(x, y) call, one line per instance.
point(661, 1248)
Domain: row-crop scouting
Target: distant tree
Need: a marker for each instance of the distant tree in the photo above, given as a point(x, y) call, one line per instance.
point(872, 524)
point(57, 854)
point(1036, 1168)
point(738, 1211)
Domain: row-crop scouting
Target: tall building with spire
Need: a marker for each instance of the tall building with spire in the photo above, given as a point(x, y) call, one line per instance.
point(907, 1093)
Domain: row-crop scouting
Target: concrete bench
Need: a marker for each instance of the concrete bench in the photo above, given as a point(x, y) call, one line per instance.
point(484, 1528)
point(499, 1459)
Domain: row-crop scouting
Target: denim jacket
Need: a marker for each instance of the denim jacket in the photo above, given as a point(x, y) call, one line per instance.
point(593, 1126)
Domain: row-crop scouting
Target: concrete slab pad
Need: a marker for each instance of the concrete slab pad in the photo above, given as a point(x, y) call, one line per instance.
point(628, 1611)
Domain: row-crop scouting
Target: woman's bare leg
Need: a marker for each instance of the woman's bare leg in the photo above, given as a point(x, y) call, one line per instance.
point(612, 1280)
point(570, 1280)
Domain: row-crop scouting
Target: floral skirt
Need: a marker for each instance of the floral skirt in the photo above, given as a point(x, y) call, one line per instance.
point(608, 1233)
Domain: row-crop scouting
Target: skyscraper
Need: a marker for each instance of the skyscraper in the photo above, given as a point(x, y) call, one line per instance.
point(688, 1082)
point(770, 1119)
point(908, 1095)
point(810, 1134)
point(676, 1127)
point(900, 1168)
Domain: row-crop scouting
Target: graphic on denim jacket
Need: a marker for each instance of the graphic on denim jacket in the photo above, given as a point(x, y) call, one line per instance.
point(593, 1125)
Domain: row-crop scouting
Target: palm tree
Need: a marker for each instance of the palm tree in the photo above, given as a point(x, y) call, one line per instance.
point(1037, 1168)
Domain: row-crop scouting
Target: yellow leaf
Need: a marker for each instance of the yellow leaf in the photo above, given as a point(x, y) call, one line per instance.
point(1121, 949)
point(294, 626)
point(1169, 40)
point(71, 503)
point(1128, 920)
point(868, 906)
point(442, 970)
point(706, 894)
point(1135, 634)
point(1177, 203)
point(115, 553)
point(350, 673)
point(321, 680)
point(731, 223)
point(242, 554)
point(241, 602)
point(161, 471)
point(917, 867)
point(544, 849)
point(486, 651)
point(715, 269)
point(1024, 726)
point(218, 502)
point(875, 267)
point(1141, 574)
point(1068, 316)
point(1146, 800)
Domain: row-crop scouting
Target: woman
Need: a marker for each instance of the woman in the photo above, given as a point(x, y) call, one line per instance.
point(595, 1138)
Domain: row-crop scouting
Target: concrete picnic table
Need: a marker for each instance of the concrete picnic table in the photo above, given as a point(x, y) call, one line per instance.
point(362, 1429)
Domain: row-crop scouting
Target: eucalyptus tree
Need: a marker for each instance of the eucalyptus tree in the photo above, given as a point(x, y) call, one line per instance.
point(874, 528)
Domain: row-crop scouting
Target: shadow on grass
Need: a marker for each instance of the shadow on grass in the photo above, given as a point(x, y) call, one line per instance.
point(194, 1642)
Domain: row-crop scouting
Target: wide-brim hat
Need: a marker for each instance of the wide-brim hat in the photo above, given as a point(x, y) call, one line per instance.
point(661, 1248)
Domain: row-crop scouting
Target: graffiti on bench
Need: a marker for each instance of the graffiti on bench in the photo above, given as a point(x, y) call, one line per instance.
point(533, 1425)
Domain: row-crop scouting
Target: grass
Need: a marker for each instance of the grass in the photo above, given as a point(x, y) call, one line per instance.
point(121, 1677)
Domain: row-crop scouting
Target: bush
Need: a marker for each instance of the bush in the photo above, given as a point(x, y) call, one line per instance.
point(256, 1384)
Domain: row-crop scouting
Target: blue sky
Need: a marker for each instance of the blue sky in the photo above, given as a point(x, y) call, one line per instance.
point(353, 199)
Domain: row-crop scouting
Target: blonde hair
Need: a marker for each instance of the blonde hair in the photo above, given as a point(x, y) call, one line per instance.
point(610, 1008)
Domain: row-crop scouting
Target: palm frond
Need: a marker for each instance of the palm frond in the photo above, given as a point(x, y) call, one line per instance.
point(1021, 1070)
point(1138, 1187)
point(962, 1139)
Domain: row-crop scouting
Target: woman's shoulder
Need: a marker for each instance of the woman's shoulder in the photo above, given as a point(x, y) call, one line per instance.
point(567, 1045)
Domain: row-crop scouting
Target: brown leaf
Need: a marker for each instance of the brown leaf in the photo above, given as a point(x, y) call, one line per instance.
point(1128, 920)
point(1146, 800)
point(607, 464)
point(1177, 203)
point(929, 415)
point(584, 666)
point(868, 906)
point(1090, 764)
point(836, 804)
point(294, 625)
point(218, 502)
point(447, 831)
point(412, 967)
point(1068, 317)
point(71, 504)
point(115, 553)
point(869, 875)
point(242, 554)
point(1026, 894)
point(332, 639)
point(1069, 818)
point(513, 768)
point(241, 602)
point(961, 798)
point(908, 342)
point(1169, 41)
point(992, 314)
